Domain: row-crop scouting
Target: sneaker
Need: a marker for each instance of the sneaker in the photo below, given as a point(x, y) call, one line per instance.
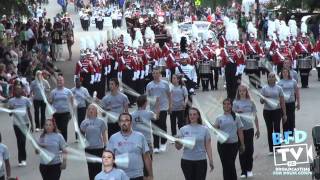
point(270, 153)
point(24, 163)
point(163, 147)
point(76, 141)
point(243, 176)
point(156, 150)
point(249, 174)
point(20, 164)
point(37, 129)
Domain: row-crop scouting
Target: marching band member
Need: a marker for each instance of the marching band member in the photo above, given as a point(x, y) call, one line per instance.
point(230, 68)
point(253, 50)
point(304, 49)
point(316, 55)
point(205, 68)
point(128, 72)
point(85, 71)
point(99, 22)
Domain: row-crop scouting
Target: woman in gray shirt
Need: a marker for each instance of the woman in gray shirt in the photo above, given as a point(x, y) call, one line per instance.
point(291, 96)
point(272, 112)
point(110, 170)
point(244, 106)
point(230, 124)
point(37, 86)
point(95, 132)
point(194, 161)
point(52, 141)
point(179, 97)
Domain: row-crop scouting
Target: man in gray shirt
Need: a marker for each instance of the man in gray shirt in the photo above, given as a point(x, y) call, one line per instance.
point(116, 102)
point(133, 143)
point(160, 89)
point(141, 119)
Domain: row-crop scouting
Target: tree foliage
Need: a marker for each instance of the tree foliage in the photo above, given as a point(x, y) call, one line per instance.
point(13, 6)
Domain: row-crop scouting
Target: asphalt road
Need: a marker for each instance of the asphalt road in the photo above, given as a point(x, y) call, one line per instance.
point(166, 165)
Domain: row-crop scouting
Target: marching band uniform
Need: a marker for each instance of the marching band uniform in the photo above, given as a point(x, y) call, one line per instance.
point(304, 48)
point(205, 68)
point(99, 22)
point(316, 54)
point(129, 72)
point(85, 71)
point(253, 50)
point(230, 68)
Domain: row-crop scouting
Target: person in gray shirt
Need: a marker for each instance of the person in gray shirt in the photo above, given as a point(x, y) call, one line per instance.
point(288, 65)
point(4, 157)
point(133, 143)
point(116, 102)
point(95, 131)
point(143, 118)
point(21, 124)
point(52, 141)
point(81, 95)
point(230, 124)
point(179, 96)
point(194, 161)
point(110, 171)
point(291, 96)
point(36, 87)
point(245, 107)
point(272, 113)
point(160, 89)
point(60, 98)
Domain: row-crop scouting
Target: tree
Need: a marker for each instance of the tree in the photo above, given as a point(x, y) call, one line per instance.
point(9, 7)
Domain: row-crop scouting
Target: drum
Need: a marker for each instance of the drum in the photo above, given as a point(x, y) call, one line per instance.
point(305, 63)
point(162, 65)
point(252, 64)
point(205, 67)
point(216, 62)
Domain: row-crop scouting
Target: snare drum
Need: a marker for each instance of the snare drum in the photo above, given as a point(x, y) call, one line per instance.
point(305, 63)
point(252, 64)
point(162, 65)
point(205, 67)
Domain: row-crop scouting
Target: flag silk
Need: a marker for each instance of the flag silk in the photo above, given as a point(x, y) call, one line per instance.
point(61, 2)
point(121, 2)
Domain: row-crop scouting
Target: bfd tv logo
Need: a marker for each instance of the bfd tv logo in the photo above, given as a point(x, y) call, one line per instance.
point(291, 155)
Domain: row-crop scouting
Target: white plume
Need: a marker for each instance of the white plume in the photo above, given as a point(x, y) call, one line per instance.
point(304, 28)
point(83, 43)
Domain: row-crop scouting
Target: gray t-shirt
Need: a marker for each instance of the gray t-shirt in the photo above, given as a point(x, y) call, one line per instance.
point(20, 103)
point(114, 174)
point(143, 118)
point(54, 143)
point(60, 99)
point(294, 75)
point(160, 90)
point(135, 145)
point(36, 87)
point(93, 130)
point(80, 95)
point(245, 106)
point(273, 93)
point(115, 103)
point(201, 134)
point(4, 155)
point(288, 87)
point(178, 95)
point(230, 126)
